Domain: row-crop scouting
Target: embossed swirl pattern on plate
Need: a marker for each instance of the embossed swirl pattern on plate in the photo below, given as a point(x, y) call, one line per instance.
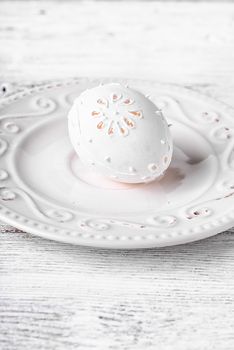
point(10, 124)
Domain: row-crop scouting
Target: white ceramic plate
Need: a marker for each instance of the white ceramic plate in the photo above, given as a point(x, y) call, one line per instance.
point(45, 190)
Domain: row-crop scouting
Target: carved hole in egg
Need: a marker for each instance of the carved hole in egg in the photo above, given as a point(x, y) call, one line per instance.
point(100, 125)
point(129, 122)
point(96, 114)
point(165, 159)
point(102, 102)
point(122, 130)
point(111, 130)
point(137, 114)
point(116, 97)
point(152, 167)
point(128, 101)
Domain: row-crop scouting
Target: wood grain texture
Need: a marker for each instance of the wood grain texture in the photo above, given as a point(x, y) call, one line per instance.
point(177, 42)
point(56, 296)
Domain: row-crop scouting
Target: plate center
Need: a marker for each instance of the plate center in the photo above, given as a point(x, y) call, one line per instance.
point(48, 169)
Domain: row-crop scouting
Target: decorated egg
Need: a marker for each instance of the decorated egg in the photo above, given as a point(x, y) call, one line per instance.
point(120, 133)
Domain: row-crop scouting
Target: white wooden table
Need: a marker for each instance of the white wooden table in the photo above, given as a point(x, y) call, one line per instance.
point(56, 296)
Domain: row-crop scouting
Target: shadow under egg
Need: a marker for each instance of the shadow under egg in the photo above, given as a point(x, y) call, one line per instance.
point(182, 164)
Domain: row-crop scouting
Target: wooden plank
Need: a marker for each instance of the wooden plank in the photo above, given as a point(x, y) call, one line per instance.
point(184, 43)
point(60, 296)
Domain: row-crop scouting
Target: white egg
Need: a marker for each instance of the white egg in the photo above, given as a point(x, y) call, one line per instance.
point(120, 133)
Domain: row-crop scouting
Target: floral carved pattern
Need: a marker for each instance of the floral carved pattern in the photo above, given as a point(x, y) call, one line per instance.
point(116, 114)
